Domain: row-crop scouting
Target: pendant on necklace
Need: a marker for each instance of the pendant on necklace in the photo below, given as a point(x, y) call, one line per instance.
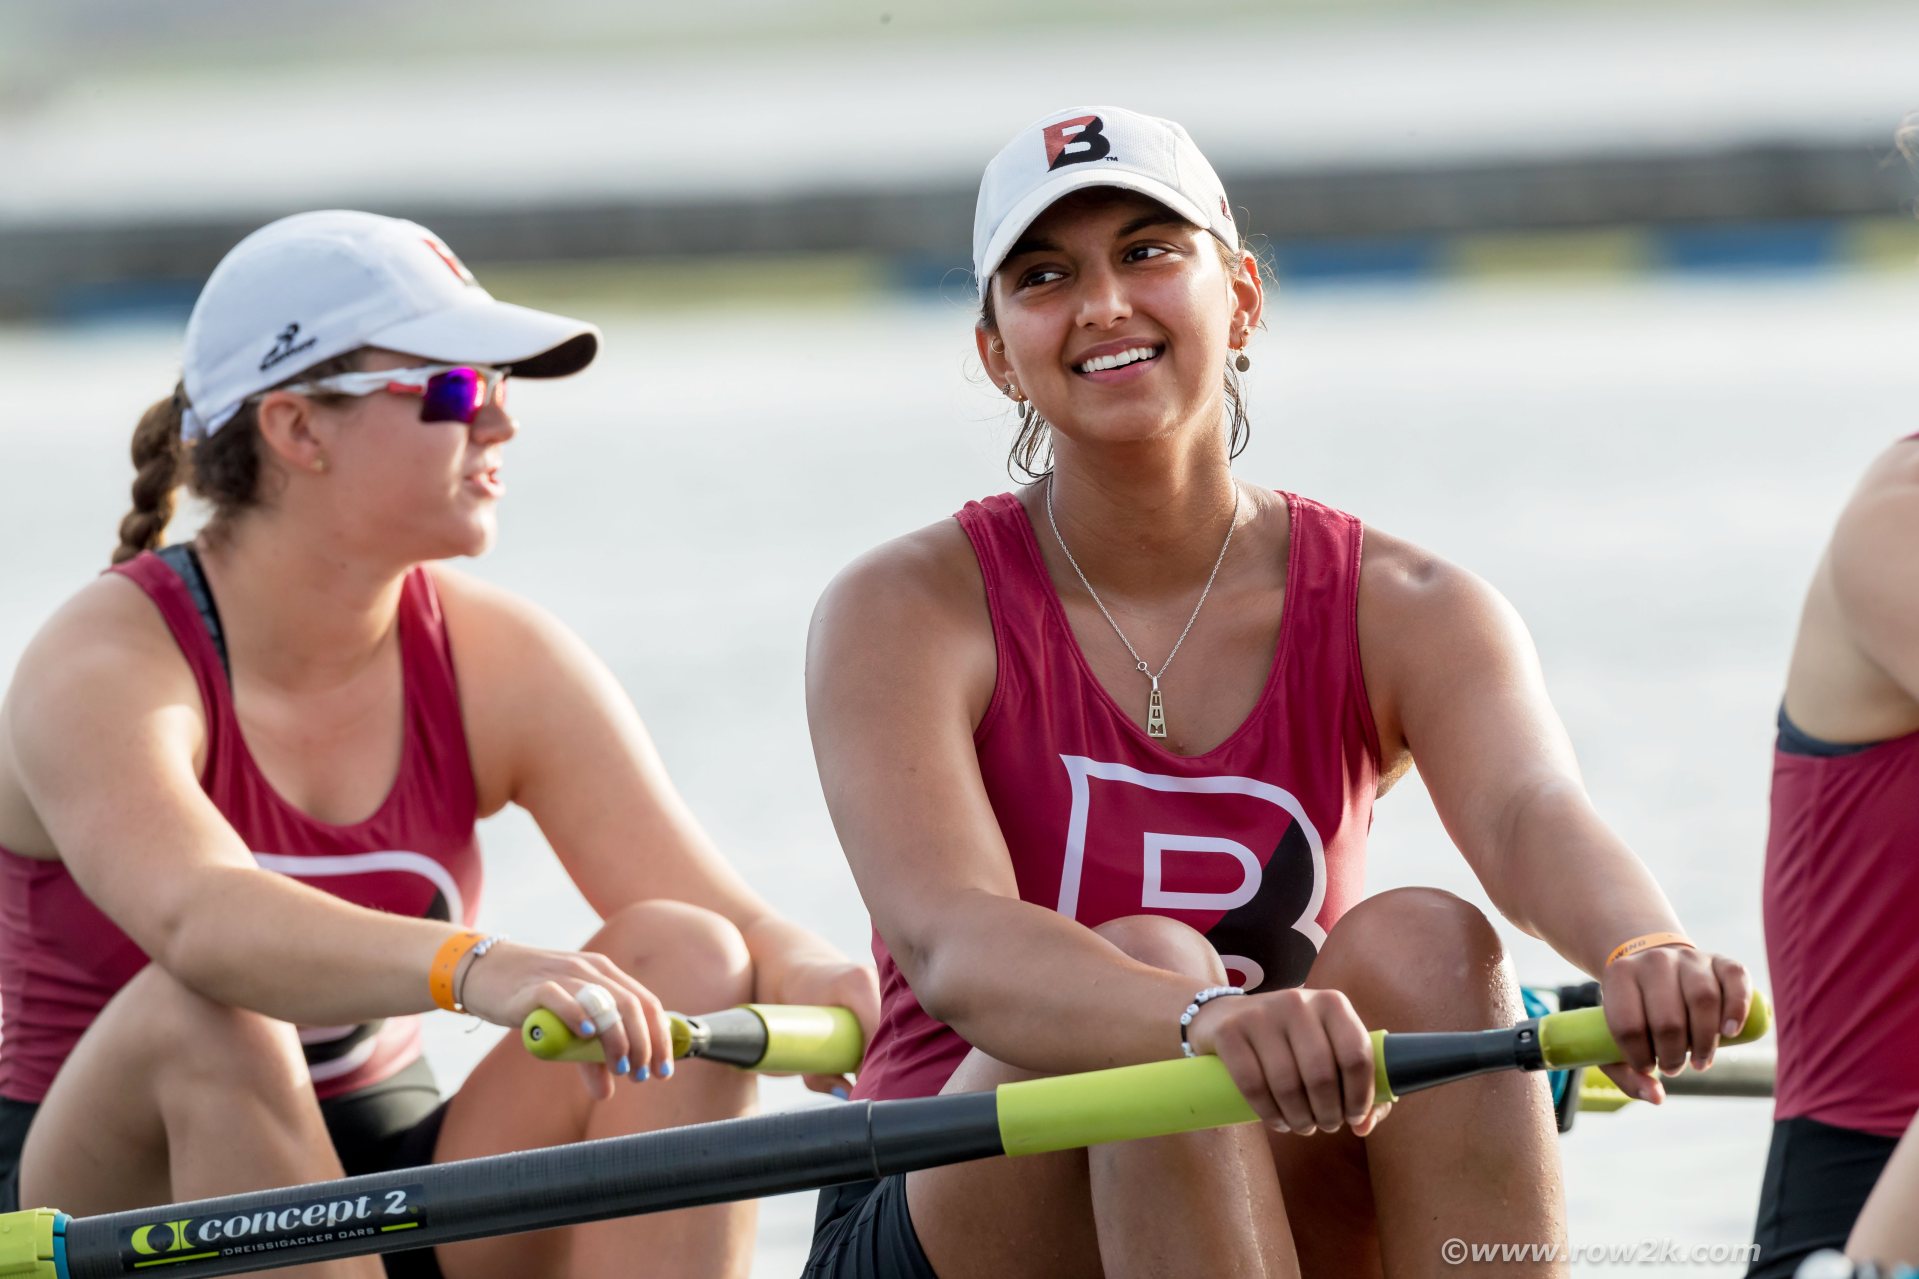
point(1155, 713)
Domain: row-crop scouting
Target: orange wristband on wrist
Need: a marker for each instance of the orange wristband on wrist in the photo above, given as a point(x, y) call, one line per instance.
point(446, 962)
point(1647, 942)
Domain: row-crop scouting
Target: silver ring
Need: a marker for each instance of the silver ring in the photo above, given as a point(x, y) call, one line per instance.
point(597, 1000)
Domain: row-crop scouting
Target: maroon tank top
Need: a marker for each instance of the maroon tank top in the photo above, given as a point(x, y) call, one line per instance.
point(62, 959)
point(1842, 873)
point(1260, 843)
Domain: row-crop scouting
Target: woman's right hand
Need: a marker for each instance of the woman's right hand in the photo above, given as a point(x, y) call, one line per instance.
point(1302, 1058)
point(509, 982)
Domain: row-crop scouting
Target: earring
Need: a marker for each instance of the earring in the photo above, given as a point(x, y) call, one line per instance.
point(319, 465)
point(1244, 361)
point(1025, 409)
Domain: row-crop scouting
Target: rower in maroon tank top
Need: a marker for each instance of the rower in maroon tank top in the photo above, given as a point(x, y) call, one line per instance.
point(239, 778)
point(1103, 754)
point(1842, 874)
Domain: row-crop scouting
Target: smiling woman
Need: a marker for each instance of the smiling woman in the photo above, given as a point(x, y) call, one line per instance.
point(240, 776)
point(1103, 756)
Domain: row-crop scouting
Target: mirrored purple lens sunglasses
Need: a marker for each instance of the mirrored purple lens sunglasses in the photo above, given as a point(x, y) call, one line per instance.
point(449, 392)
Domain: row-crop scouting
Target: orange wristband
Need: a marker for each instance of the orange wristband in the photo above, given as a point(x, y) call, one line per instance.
point(446, 962)
point(1646, 942)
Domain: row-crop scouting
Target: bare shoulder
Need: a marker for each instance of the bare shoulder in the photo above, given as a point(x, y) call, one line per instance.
point(1855, 664)
point(912, 609)
point(925, 582)
point(107, 636)
point(1401, 583)
point(1427, 625)
point(494, 631)
point(101, 682)
point(1881, 519)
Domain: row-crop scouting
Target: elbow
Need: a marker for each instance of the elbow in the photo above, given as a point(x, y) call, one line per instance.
point(938, 983)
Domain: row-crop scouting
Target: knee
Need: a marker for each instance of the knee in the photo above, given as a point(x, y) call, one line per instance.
point(187, 1036)
point(1165, 943)
point(693, 958)
point(1419, 946)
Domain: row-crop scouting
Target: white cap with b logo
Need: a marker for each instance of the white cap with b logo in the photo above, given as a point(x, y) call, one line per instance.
point(1092, 147)
point(314, 286)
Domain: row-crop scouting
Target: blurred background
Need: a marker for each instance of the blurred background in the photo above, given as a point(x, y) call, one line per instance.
point(1610, 304)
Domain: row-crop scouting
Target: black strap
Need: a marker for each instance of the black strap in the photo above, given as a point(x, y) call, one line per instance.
point(1794, 740)
point(185, 561)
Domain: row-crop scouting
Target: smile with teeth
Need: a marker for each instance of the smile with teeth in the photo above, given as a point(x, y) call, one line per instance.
point(1118, 360)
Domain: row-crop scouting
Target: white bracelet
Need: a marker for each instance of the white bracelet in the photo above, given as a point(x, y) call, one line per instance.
point(1192, 1011)
point(473, 957)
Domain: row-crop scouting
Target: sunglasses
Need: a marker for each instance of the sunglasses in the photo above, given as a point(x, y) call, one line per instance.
point(448, 392)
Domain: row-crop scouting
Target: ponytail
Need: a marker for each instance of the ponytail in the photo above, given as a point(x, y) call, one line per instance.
point(159, 457)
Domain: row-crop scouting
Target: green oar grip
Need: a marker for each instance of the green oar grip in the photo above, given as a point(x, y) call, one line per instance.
point(796, 1038)
point(803, 1039)
point(547, 1037)
point(1382, 1086)
point(26, 1243)
point(1153, 1100)
point(1580, 1037)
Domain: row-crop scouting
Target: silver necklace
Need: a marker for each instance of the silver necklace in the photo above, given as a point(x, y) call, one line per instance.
point(1155, 708)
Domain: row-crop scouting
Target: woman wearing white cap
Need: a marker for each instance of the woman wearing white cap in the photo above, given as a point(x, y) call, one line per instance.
point(1103, 756)
point(256, 759)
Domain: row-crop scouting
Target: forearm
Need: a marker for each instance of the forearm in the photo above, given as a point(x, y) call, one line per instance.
point(256, 940)
point(1886, 1230)
point(1558, 872)
point(1023, 984)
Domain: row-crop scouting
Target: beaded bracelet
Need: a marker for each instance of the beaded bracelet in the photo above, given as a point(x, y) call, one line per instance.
point(473, 957)
point(1192, 1011)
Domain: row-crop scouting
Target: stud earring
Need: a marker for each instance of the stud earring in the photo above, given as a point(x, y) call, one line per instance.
point(319, 465)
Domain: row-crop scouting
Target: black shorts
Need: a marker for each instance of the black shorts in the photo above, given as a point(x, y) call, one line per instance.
point(863, 1231)
point(1817, 1180)
point(392, 1124)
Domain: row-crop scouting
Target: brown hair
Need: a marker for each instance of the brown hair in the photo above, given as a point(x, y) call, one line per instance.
point(1032, 451)
point(224, 468)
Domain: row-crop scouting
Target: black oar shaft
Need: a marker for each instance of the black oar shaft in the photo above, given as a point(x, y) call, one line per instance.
point(535, 1190)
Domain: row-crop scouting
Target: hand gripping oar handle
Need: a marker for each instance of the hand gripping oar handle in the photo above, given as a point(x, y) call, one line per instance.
point(1407, 1063)
point(797, 1039)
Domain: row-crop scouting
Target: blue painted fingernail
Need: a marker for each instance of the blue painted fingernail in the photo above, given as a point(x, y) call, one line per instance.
point(588, 1028)
point(625, 1067)
point(642, 1073)
point(666, 1070)
point(841, 1093)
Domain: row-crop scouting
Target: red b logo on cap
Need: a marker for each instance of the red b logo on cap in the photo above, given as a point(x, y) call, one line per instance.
point(453, 264)
point(1075, 140)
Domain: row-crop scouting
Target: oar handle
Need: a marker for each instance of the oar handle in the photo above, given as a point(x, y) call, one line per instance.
point(796, 1039)
point(1580, 1037)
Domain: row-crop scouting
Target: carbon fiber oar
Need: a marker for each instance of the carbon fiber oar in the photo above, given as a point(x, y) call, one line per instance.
point(733, 1159)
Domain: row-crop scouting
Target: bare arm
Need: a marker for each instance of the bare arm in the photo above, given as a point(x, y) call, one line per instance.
point(1887, 1231)
point(105, 724)
point(106, 730)
point(558, 736)
point(1455, 677)
point(900, 664)
point(1862, 621)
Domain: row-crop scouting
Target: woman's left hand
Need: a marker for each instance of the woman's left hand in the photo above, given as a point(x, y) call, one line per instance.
point(814, 973)
point(1667, 1006)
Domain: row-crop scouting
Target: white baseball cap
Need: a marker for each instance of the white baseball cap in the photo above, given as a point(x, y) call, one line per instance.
point(1092, 147)
point(317, 285)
